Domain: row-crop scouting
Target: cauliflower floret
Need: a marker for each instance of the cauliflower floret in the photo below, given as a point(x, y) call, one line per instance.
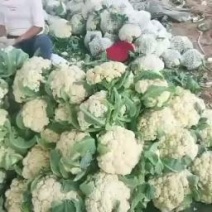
point(143, 85)
point(202, 168)
point(74, 146)
point(154, 123)
point(129, 32)
point(192, 59)
point(29, 78)
point(171, 58)
point(77, 24)
point(92, 22)
point(34, 115)
point(49, 135)
point(90, 35)
point(99, 45)
point(106, 194)
point(140, 18)
point(3, 117)
point(106, 71)
point(36, 160)
point(15, 195)
point(146, 44)
point(170, 190)
point(111, 21)
point(48, 192)
point(97, 105)
point(162, 45)
point(62, 114)
point(67, 83)
point(149, 63)
point(59, 27)
point(206, 133)
point(177, 145)
point(187, 108)
point(181, 43)
point(122, 151)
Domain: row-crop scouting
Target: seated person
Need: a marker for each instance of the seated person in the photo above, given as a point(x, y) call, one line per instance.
point(23, 20)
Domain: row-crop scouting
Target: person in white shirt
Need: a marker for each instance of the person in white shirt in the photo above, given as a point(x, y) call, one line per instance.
point(23, 20)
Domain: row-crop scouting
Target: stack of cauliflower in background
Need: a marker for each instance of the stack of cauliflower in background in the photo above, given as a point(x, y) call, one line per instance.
point(111, 137)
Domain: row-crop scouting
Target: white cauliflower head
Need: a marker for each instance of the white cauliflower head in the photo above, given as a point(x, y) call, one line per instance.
point(59, 27)
point(62, 114)
point(90, 35)
point(171, 58)
point(35, 161)
point(96, 105)
point(15, 195)
point(122, 151)
point(163, 44)
point(202, 168)
point(181, 43)
point(149, 62)
point(177, 145)
point(49, 136)
point(74, 147)
point(105, 194)
point(47, 192)
point(187, 108)
point(170, 190)
point(29, 78)
point(192, 59)
point(144, 84)
point(34, 114)
point(99, 45)
point(154, 123)
point(77, 24)
point(67, 84)
point(106, 71)
point(146, 44)
point(129, 32)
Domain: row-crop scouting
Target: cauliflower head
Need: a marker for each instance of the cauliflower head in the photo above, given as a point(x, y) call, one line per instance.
point(154, 123)
point(202, 168)
point(146, 44)
point(177, 145)
point(29, 78)
point(48, 192)
point(143, 85)
point(119, 151)
point(76, 147)
point(181, 43)
point(107, 71)
point(129, 32)
point(62, 114)
point(187, 108)
point(35, 161)
point(15, 195)
point(97, 106)
point(35, 121)
point(77, 24)
point(192, 59)
point(3, 90)
point(59, 27)
point(90, 35)
point(171, 58)
point(104, 193)
point(149, 62)
point(67, 83)
point(170, 190)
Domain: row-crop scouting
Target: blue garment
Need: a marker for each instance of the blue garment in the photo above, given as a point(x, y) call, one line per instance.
point(40, 45)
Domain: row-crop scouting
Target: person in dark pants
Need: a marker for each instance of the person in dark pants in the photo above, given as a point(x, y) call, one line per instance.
point(23, 21)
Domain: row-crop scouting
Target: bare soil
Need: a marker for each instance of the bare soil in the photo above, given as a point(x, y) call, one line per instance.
point(202, 39)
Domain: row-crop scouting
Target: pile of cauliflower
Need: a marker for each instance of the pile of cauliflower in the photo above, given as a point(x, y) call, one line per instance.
point(109, 136)
point(104, 22)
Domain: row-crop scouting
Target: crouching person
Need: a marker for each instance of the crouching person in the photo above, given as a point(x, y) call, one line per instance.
point(23, 21)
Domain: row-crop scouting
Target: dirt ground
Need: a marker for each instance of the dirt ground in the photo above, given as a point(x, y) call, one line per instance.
point(202, 39)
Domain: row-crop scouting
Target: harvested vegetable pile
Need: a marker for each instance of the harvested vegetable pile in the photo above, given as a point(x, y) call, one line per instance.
point(102, 136)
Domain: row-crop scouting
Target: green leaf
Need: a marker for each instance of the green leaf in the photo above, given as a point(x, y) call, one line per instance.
point(173, 165)
point(55, 158)
point(67, 206)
